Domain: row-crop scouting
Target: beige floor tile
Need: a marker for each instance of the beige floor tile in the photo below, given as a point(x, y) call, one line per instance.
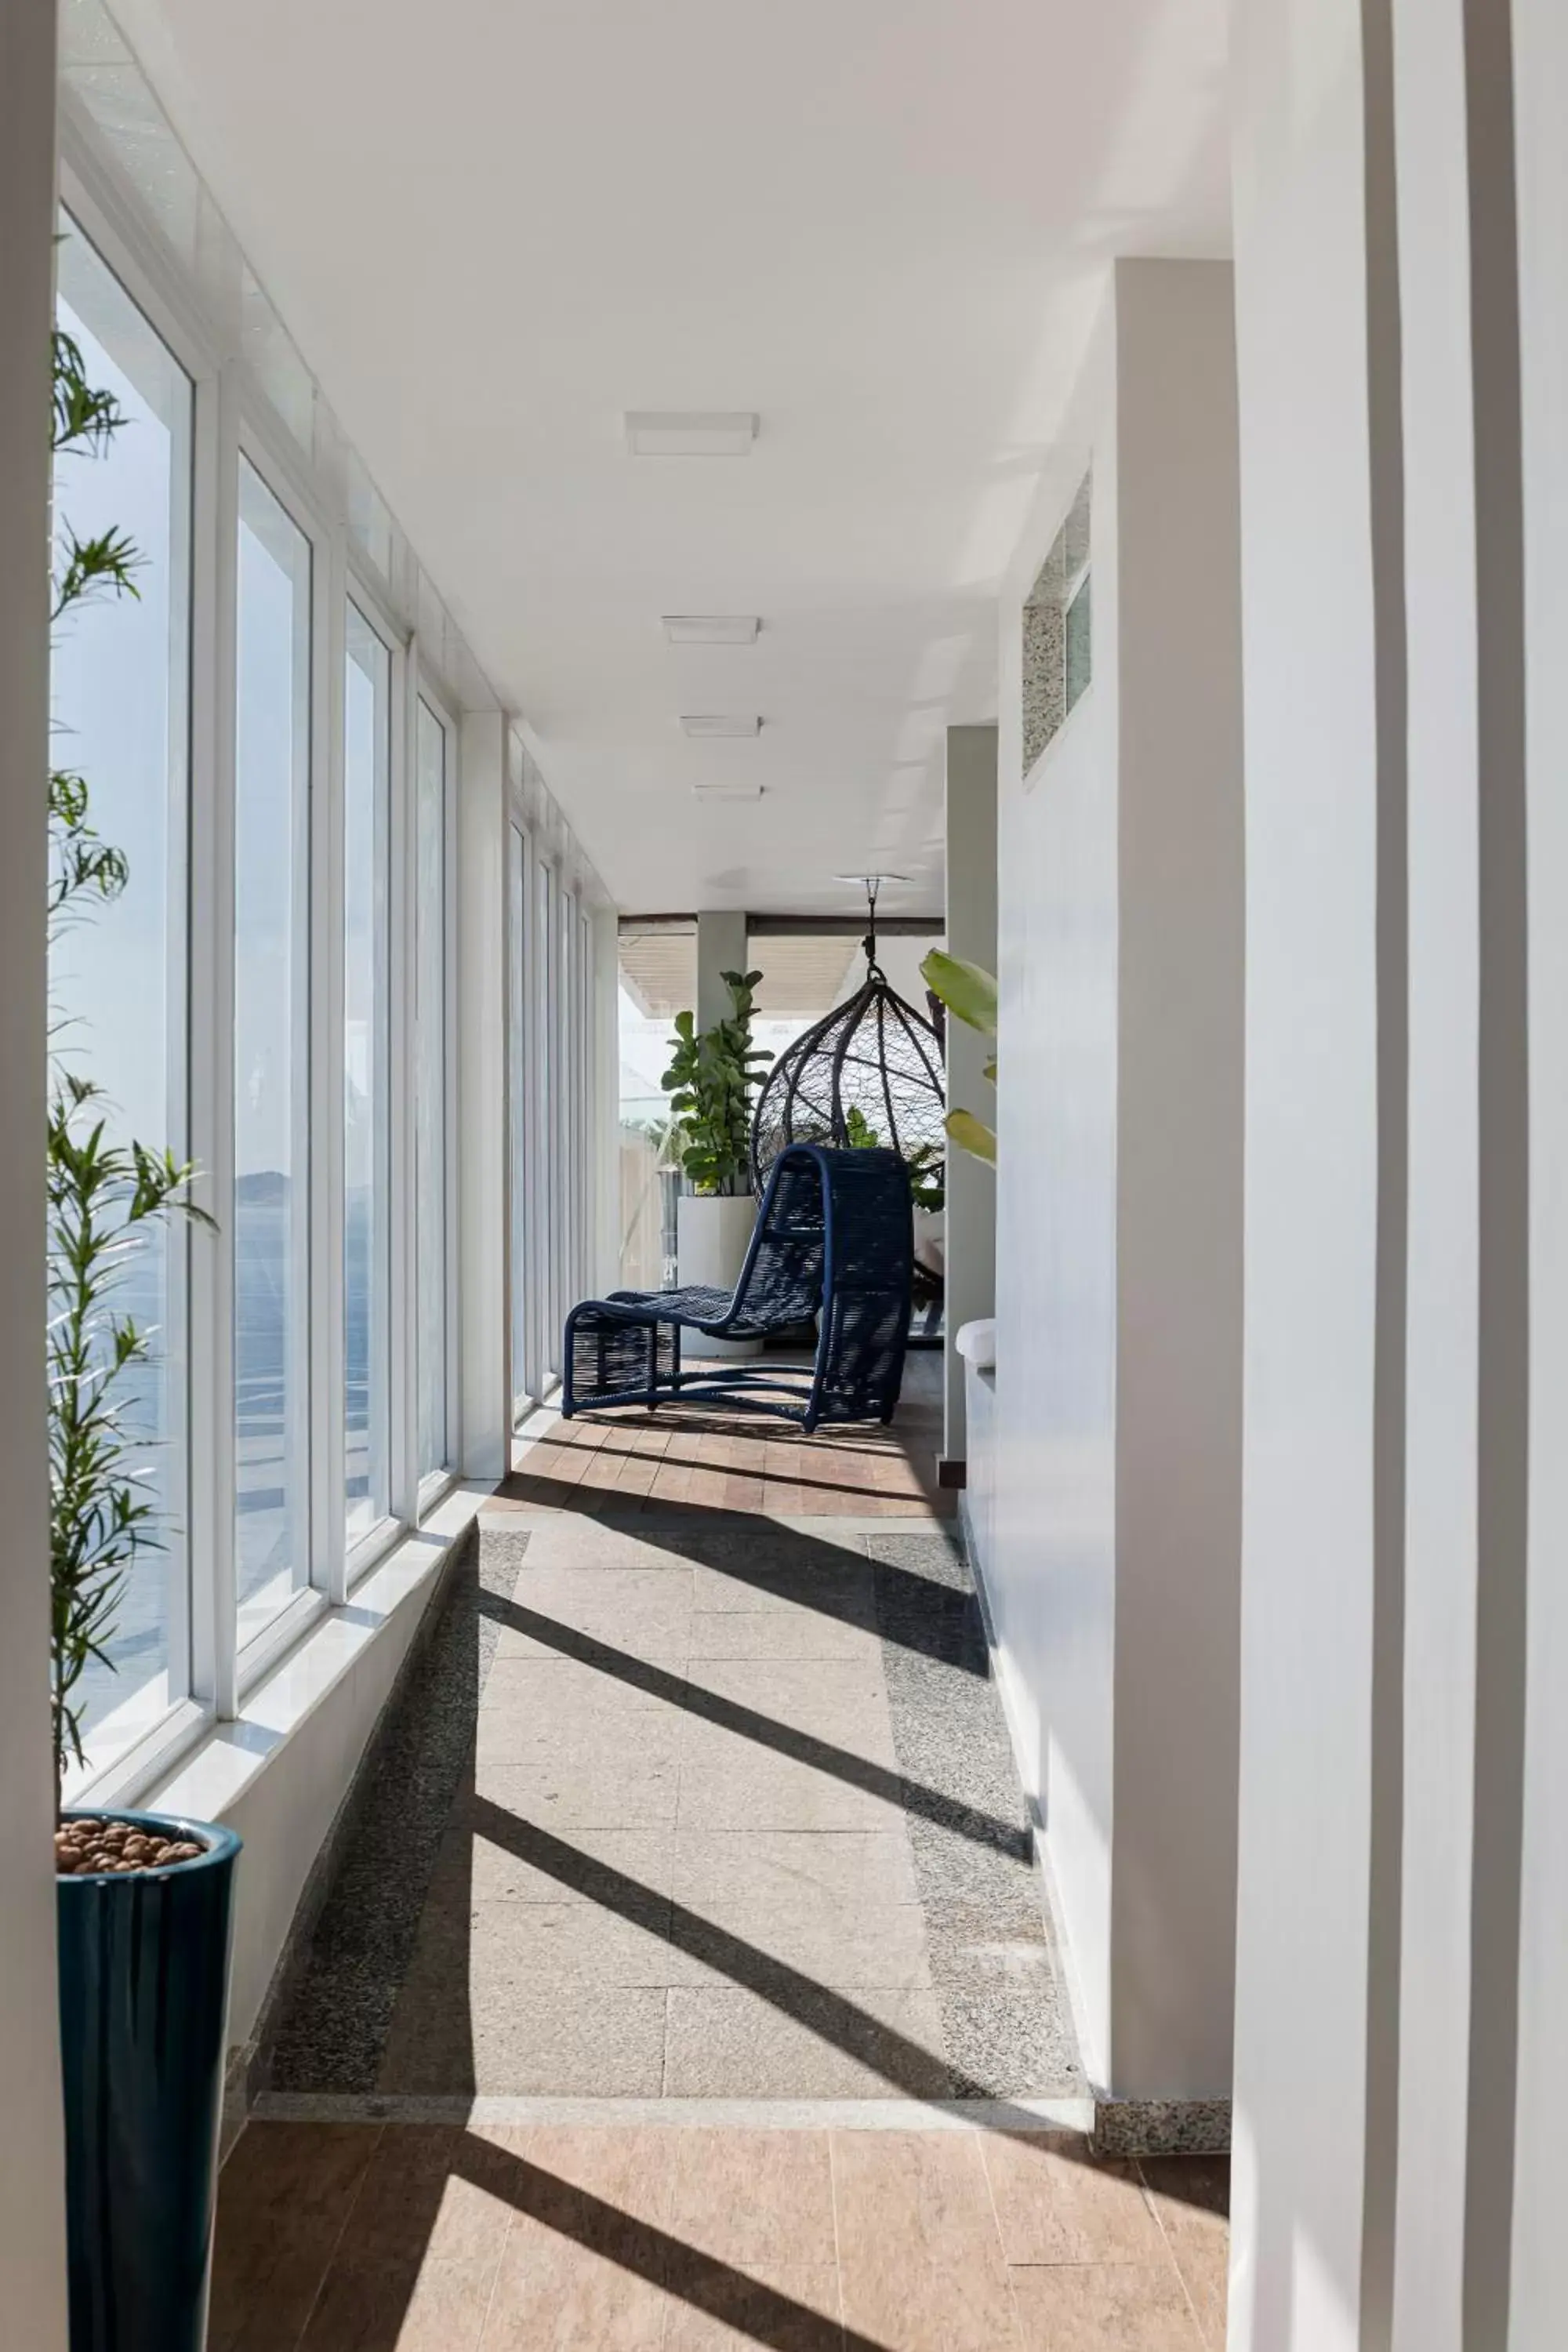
point(831, 1583)
point(1055, 2204)
point(816, 1872)
point(759, 2202)
point(1104, 2307)
point(920, 2260)
point(732, 2043)
point(841, 1701)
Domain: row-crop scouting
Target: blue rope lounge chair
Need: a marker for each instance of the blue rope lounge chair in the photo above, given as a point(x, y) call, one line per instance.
point(833, 1240)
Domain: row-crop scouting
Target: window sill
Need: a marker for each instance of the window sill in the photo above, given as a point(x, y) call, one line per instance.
point(226, 1758)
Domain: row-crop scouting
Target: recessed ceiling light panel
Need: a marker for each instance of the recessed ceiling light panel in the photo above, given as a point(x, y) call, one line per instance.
point(720, 723)
point(712, 628)
point(690, 433)
point(726, 791)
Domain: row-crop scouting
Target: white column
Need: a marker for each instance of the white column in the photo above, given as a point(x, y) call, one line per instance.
point(969, 1219)
point(32, 2211)
point(1312, 1159)
point(1116, 1577)
point(720, 948)
point(483, 1124)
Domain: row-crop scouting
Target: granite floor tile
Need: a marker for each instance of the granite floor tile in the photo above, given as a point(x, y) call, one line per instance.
point(644, 1611)
point(543, 2039)
point(860, 1947)
point(728, 1783)
point(818, 1873)
point(1056, 2204)
point(632, 1788)
point(805, 2042)
point(477, 1869)
point(785, 1630)
point(1109, 2308)
point(842, 1702)
point(921, 2262)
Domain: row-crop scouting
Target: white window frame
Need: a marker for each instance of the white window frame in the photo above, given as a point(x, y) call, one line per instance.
point(423, 688)
point(233, 418)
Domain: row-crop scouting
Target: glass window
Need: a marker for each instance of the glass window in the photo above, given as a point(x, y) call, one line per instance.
point(120, 695)
point(271, 1058)
point(547, 1228)
point(367, 1259)
point(430, 1083)
point(522, 1361)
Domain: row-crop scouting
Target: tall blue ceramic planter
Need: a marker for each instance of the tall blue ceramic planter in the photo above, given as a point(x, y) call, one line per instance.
point(143, 1967)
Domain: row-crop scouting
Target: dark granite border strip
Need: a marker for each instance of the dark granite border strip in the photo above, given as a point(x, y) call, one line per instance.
point(1006, 2018)
point(1162, 2127)
point(330, 2007)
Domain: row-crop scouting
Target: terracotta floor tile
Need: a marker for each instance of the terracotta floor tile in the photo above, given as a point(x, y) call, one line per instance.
point(1110, 2307)
point(760, 2201)
point(437, 2306)
point(1055, 2204)
point(284, 2198)
point(588, 2249)
point(919, 2259)
point(1191, 2197)
point(712, 2309)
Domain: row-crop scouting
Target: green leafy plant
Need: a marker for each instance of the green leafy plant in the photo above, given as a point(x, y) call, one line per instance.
point(101, 1196)
point(969, 992)
point(859, 1132)
point(712, 1078)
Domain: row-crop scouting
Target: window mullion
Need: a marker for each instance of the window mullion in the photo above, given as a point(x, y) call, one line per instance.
point(402, 970)
point(211, 1129)
point(329, 1545)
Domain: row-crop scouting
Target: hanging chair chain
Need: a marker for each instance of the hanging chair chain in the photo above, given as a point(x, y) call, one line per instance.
point(873, 969)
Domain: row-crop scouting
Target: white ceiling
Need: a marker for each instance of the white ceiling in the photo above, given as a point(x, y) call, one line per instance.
point(494, 226)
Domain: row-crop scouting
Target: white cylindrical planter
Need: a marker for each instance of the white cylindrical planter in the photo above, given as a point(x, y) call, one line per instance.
point(712, 1235)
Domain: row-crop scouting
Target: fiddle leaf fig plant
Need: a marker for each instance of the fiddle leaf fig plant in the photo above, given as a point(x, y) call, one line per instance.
point(969, 992)
point(101, 1196)
point(711, 1076)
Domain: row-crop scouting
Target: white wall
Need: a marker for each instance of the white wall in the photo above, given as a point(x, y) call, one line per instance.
point(32, 2205)
point(1401, 2059)
point(1539, 2243)
point(969, 1217)
point(484, 1157)
point(1114, 1587)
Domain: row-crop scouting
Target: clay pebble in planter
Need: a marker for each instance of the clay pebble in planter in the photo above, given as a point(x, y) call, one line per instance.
point(145, 1907)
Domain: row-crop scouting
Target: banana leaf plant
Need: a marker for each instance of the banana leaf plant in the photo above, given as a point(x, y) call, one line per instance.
point(969, 992)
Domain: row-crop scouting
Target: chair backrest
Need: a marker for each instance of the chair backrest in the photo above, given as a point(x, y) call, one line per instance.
point(835, 1236)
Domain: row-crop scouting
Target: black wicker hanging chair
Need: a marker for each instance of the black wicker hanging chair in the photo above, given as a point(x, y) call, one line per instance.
point(870, 1074)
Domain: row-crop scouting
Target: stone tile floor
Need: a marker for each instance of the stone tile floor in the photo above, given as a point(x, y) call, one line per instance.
point(410, 2238)
point(698, 1805)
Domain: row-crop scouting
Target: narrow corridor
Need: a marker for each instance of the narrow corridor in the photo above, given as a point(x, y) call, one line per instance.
point(684, 1976)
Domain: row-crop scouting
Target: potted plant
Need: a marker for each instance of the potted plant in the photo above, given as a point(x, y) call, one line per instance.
point(710, 1077)
point(144, 1902)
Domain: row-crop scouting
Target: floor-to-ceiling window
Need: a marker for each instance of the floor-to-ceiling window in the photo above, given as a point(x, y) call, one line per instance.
point(270, 1227)
point(367, 1160)
point(265, 734)
point(121, 697)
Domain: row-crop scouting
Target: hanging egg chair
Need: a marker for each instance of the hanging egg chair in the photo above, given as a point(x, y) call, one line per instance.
point(870, 1073)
